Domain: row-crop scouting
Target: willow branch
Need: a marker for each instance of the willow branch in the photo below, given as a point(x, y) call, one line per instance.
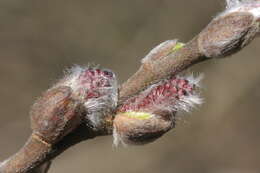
point(225, 35)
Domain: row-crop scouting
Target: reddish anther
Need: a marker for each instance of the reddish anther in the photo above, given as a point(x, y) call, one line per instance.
point(167, 91)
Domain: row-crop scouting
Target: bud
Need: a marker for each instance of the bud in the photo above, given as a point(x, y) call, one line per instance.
point(54, 115)
point(232, 30)
point(139, 128)
point(145, 117)
point(83, 95)
point(162, 50)
point(97, 90)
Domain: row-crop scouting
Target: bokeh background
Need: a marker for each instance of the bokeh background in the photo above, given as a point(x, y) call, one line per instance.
point(40, 39)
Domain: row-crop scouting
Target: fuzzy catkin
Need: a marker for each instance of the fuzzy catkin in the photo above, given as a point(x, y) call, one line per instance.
point(145, 117)
point(84, 95)
point(97, 88)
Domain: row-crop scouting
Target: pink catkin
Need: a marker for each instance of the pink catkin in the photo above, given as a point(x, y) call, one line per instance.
point(162, 102)
point(164, 94)
point(94, 80)
point(96, 88)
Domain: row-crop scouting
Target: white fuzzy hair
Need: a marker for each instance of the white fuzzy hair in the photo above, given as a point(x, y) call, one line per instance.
point(118, 139)
point(251, 6)
point(97, 108)
point(185, 103)
point(232, 3)
point(72, 75)
point(2, 164)
point(101, 106)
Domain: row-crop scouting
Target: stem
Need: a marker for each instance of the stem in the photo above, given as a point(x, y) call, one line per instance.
point(31, 153)
point(224, 36)
point(35, 154)
point(172, 64)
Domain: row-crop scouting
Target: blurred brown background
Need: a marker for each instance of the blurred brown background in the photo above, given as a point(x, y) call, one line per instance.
point(39, 39)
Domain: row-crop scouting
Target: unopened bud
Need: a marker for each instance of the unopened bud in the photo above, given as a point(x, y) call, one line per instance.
point(162, 50)
point(232, 30)
point(55, 114)
point(139, 128)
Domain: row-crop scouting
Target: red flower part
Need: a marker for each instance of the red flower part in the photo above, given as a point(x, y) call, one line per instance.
point(174, 94)
point(96, 88)
point(150, 114)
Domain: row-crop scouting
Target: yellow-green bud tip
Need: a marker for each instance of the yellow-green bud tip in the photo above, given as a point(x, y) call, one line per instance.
point(178, 46)
point(138, 115)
